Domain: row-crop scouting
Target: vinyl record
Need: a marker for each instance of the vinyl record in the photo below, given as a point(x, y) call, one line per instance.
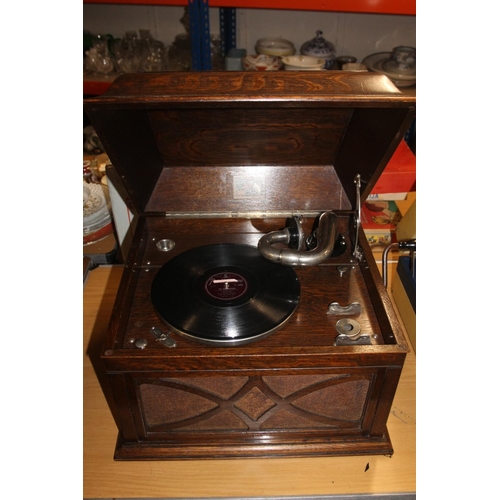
point(224, 294)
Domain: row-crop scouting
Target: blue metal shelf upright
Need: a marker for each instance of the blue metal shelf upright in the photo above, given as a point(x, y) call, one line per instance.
point(199, 24)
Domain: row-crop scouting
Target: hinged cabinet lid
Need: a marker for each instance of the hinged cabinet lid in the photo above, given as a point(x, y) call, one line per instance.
point(259, 142)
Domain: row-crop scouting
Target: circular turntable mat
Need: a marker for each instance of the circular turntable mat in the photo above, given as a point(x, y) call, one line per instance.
point(225, 294)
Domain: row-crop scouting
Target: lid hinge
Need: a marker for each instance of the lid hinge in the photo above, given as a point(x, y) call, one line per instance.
point(268, 214)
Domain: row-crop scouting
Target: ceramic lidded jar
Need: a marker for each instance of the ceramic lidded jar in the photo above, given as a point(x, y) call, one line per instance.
point(319, 47)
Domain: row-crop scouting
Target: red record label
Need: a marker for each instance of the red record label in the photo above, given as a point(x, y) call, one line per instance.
point(226, 286)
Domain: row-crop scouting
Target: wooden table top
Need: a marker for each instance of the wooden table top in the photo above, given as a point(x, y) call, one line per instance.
point(105, 478)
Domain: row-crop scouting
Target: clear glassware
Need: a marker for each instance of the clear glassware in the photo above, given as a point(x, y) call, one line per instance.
point(99, 55)
point(154, 57)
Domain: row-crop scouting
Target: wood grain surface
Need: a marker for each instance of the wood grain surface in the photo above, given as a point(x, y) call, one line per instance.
point(104, 478)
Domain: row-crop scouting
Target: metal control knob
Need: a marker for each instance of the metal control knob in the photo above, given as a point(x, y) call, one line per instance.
point(141, 343)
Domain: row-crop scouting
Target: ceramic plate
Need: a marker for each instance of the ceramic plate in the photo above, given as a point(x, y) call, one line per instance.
point(98, 235)
point(96, 225)
point(86, 194)
point(95, 208)
point(382, 62)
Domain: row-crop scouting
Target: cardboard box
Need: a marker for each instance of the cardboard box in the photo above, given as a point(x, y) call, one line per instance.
point(399, 176)
point(403, 291)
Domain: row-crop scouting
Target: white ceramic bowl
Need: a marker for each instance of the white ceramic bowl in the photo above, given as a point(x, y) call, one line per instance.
point(303, 63)
point(261, 62)
point(275, 46)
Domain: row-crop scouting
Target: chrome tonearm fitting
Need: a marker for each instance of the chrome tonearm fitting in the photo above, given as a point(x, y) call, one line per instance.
point(326, 235)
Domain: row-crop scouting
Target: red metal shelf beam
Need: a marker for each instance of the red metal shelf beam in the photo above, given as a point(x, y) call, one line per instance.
point(95, 87)
point(139, 2)
point(403, 7)
point(406, 7)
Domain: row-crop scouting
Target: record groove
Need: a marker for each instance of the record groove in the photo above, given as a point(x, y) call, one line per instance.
point(225, 294)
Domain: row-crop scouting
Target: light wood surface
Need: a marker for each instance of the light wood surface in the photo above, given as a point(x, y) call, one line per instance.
point(105, 478)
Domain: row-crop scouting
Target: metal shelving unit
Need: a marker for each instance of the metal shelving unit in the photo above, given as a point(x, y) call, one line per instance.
point(199, 22)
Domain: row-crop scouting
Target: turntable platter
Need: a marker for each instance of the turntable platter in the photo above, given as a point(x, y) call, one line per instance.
point(225, 294)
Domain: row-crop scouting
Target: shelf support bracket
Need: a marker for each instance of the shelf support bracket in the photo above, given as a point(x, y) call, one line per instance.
point(199, 27)
point(227, 21)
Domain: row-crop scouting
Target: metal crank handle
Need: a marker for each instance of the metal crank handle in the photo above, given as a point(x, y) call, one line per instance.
point(410, 245)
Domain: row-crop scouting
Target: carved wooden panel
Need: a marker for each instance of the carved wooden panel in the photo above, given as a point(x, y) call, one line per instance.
point(254, 403)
